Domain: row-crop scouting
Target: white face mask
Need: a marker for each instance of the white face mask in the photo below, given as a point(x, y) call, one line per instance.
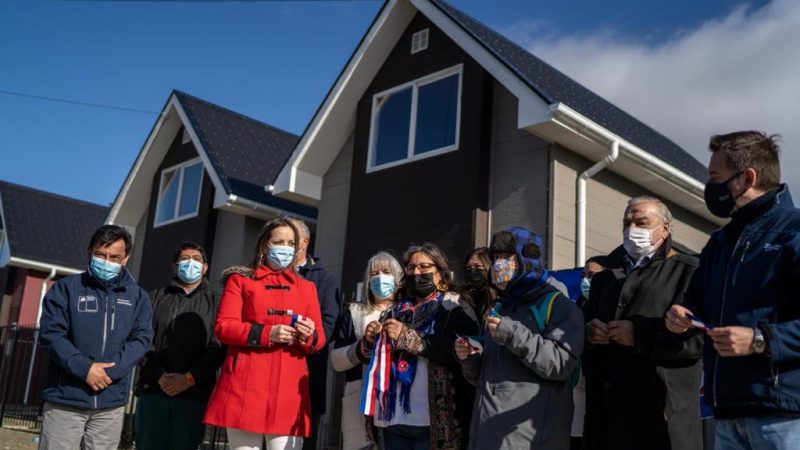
point(638, 242)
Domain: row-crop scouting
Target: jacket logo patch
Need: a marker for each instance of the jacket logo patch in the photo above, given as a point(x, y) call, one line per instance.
point(772, 247)
point(124, 301)
point(87, 303)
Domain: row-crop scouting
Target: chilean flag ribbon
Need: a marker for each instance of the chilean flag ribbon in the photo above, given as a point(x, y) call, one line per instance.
point(377, 382)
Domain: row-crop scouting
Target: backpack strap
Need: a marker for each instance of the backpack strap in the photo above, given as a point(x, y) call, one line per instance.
point(544, 310)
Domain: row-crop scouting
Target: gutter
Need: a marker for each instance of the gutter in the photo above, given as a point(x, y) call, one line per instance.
point(235, 200)
point(570, 118)
point(43, 267)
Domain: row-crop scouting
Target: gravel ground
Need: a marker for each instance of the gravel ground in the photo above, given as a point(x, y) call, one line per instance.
point(11, 439)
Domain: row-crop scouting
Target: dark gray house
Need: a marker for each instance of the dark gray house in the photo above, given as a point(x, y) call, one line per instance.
point(440, 129)
point(202, 176)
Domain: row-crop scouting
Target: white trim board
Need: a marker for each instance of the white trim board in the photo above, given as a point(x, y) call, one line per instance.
point(176, 217)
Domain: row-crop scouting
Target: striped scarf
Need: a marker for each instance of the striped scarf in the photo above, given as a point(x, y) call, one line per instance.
point(378, 382)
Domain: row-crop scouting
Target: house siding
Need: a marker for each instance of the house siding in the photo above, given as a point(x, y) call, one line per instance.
point(436, 199)
point(155, 269)
point(135, 262)
point(520, 174)
point(333, 211)
point(607, 195)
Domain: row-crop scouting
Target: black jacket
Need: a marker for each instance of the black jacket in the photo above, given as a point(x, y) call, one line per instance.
point(329, 300)
point(184, 339)
point(648, 395)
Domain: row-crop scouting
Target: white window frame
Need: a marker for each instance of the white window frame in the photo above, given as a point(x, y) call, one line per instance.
point(176, 218)
point(419, 41)
point(412, 132)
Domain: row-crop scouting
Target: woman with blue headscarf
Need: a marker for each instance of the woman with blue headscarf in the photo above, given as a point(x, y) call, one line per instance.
point(525, 370)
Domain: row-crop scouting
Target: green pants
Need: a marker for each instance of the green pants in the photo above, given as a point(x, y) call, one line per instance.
point(169, 423)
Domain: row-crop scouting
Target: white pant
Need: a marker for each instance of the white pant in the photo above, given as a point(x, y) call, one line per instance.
point(245, 440)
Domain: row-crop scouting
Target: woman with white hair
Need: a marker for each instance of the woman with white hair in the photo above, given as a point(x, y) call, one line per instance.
point(382, 278)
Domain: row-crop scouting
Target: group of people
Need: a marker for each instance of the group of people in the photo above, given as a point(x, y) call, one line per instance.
point(500, 359)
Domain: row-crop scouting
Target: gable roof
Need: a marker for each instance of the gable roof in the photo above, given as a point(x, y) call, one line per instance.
point(241, 155)
point(246, 154)
point(47, 228)
point(556, 87)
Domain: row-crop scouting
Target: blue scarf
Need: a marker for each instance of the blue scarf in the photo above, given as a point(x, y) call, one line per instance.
point(421, 318)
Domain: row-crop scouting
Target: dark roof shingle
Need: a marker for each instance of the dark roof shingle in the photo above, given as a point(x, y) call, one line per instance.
point(48, 228)
point(246, 154)
point(554, 86)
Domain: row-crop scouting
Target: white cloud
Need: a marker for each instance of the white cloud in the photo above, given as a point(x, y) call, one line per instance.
point(741, 71)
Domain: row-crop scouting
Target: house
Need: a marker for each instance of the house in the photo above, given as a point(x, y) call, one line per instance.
point(43, 237)
point(440, 129)
point(202, 175)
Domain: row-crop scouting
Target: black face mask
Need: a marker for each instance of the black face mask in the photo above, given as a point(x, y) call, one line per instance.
point(420, 286)
point(476, 278)
point(719, 199)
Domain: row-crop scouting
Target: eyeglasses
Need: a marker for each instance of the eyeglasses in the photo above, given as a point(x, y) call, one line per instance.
point(423, 267)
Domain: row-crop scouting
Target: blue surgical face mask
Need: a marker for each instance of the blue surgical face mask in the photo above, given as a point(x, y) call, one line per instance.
point(190, 271)
point(280, 257)
point(382, 286)
point(103, 269)
point(586, 284)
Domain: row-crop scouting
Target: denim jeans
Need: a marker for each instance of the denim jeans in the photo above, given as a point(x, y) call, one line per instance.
point(406, 437)
point(758, 433)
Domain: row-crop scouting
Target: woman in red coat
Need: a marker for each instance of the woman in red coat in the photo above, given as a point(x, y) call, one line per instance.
point(267, 319)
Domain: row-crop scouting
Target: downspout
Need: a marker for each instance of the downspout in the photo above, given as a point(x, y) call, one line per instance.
point(580, 231)
point(49, 277)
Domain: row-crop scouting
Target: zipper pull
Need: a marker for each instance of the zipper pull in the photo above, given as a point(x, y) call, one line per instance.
point(744, 252)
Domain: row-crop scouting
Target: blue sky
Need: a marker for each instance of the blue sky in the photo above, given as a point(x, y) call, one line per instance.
point(271, 60)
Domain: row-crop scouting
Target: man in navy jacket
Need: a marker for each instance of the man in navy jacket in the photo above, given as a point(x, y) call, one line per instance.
point(96, 327)
point(746, 297)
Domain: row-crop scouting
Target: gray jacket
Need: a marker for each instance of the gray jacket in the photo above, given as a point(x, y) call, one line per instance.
point(523, 393)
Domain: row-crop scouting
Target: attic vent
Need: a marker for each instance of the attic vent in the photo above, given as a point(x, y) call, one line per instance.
point(419, 41)
point(185, 139)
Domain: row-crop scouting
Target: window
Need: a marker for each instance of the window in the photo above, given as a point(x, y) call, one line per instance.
point(415, 120)
point(179, 192)
point(419, 41)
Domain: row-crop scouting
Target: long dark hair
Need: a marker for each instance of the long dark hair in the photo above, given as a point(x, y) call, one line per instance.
point(263, 239)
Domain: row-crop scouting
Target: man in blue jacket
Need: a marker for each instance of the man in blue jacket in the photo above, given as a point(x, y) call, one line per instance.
point(96, 327)
point(744, 296)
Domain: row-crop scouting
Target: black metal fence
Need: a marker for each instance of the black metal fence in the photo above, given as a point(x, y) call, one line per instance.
point(23, 366)
point(23, 369)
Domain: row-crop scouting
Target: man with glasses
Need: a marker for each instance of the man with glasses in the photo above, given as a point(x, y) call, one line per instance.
point(178, 373)
point(96, 327)
point(642, 382)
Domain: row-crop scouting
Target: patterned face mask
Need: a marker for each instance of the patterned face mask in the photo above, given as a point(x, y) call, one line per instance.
point(503, 271)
